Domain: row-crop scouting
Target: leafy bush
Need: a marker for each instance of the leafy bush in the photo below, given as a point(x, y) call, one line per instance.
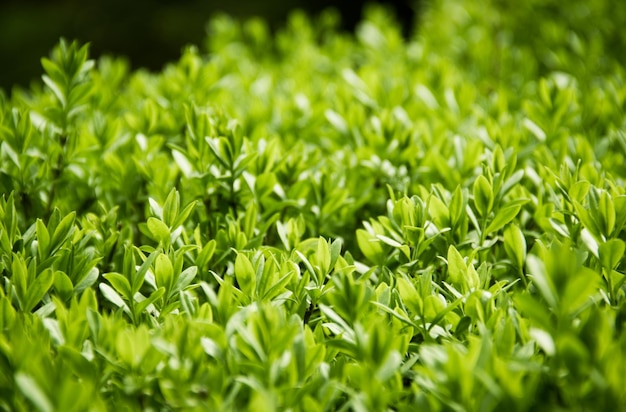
point(313, 220)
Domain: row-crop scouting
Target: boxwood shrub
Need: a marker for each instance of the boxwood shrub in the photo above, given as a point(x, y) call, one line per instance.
point(312, 220)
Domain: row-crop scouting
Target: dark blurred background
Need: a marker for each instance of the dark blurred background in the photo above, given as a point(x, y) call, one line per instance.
point(148, 32)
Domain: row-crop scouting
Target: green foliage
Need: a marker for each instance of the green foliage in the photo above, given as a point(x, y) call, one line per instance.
point(312, 220)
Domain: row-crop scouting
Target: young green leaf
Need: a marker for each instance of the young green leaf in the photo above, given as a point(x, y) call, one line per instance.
point(483, 195)
point(457, 206)
point(611, 253)
point(141, 306)
point(37, 289)
point(606, 214)
point(537, 270)
point(460, 274)
point(170, 208)
point(63, 285)
point(515, 245)
point(503, 216)
point(323, 256)
point(112, 296)
point(370, 246)
point(62, 231)
point(159, 230)
point(164, 272)
point(43, 240)
point(245, 274)
point(120, 283)
point(137, 276)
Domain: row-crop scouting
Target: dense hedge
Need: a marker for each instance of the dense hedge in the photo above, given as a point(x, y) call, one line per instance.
point(315, 220)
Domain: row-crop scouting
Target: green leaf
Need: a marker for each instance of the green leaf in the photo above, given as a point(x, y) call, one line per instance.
point(540, 276)
point(473, 279)
point(170, 209)
point(211, 348)
point(159, 230)
point(590, 242)
point(38, 289)
point(579, 190)
point(43, 239)
point(443, 311)
point(245, 275)
point(249, 222)
point(439, 212)
point(533, 309)
point(137, 277)
point(611, 253)
point(112, 296)
point(5, 147)
point(457, 206)
point(278, 287)
point(409, 295)
point(217, 147)
point(57, 89)
point(336, 120)
point(206, 254)
point(535, 129)
point(120, 283)
point(188, 304)
point(63, 285)
point(7, 313)
point(53, 70)
point(323, 256)
point(19, 277)
point(79, 365)
point(164, 272)
point(87, 281)
point(579, 290)
point(33, 392)
point(62, 231)
point(504, 216)
point(281, 230)
point(457, 269)
point(186, 277)
point(483, 196)
point(309, 267)
point(515, 244)
point(264, 185)
point(606, 213)
point(587, 219)
point(154, 296)
point(620, 212)
point(335, 251)
point(335, 318)
point(544, 340)
point(370, 246)
point(182, 161)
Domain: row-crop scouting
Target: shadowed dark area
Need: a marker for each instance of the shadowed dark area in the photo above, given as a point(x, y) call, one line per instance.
point(149, 32)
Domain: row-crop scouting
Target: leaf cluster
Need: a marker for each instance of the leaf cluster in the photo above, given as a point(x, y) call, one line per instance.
point(314, 220)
